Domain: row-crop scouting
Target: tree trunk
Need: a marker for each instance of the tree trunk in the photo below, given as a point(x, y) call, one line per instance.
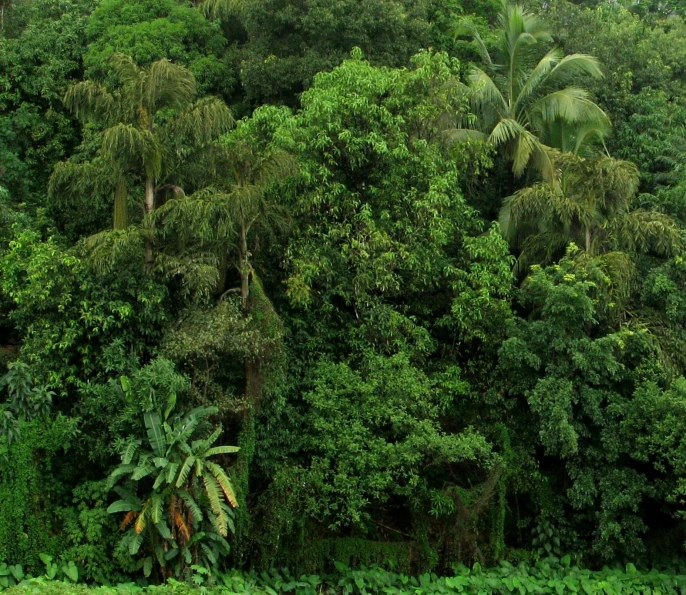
point(223, 270)
point(149, 208)
point(121, 217)
point(588, 239)
point(252, 367)
point(245, 269)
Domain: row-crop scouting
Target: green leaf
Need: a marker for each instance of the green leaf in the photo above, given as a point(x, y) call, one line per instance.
point(71, 571)
point(171, 402)
point(17, 571)
point(164, 530)
point(155, 434)
point(135, 544)
point(122, 506)
point(147, 566)
point(222, 450)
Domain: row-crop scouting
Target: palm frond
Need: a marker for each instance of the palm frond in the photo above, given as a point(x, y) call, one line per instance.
point(108, 249)
point(90, 101)
point(204, 121)
point(506, 131)
point(647, 231)
point(130, 76)
point(223, 8)
point(535, 79)
point(168, 85)
point(571, 66)
point(134, 146)
point(570, 104)
point(484, 92)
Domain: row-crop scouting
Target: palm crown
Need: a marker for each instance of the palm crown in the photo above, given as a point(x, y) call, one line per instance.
point(519, 95)
point(590, 205)
point(149, 120)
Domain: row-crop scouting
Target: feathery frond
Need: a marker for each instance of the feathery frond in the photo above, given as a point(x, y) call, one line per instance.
point(518, 94)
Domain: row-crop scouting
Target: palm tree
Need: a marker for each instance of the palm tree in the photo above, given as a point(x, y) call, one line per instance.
point(236, 211)
point(222, 8)
point(135, 139)
point(591, 206)
point(518, 92)
point(185, 512)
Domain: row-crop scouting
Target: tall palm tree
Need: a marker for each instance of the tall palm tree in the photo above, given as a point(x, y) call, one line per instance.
point(521, 90)
point(590, 205)
point(135, 139)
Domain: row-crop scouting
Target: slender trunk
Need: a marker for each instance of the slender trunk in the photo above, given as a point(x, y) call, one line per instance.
point(588, 239)
point(149, 208)
point(245, 269)
point(246, 440)
point(121, 219)
point(223, 269)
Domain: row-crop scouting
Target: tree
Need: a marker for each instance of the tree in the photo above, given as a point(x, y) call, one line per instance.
point(150, 30)
point(289, 42)
point(591, 205)
point(185, 515)
point(38, 64)
point(394, 289)
point(579, 383)
point(642, 90)
point(518, 93)
point(238, 207)
point(139, 135)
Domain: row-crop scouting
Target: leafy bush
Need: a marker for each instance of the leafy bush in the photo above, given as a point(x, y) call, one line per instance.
point(553, 576)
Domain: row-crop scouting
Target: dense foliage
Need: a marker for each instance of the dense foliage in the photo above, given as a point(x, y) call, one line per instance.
point(304, 283)
point(550, 576)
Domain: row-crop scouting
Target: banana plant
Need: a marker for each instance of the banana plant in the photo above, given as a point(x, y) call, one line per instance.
point(177, 501)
